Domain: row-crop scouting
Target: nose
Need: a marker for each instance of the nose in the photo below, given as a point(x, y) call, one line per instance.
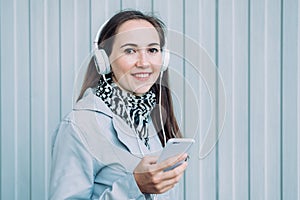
point(142, 60)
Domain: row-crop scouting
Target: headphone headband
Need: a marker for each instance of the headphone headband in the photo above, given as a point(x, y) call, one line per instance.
point(96, 40)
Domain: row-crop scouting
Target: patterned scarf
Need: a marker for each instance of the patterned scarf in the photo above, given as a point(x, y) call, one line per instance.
point(134, 110)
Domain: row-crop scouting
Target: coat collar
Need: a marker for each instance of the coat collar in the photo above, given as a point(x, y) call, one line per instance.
point(124, 132)
point(91, 102)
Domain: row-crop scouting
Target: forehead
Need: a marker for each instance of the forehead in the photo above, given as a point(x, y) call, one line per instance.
point(140, 32)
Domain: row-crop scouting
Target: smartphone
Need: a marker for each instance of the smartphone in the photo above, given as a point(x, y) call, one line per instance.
point(175, 146)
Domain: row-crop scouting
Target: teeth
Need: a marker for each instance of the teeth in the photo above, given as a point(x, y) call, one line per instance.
point(141, 75)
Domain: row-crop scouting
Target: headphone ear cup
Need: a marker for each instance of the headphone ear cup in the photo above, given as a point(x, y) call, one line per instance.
point(101, 61)
point(166, 60)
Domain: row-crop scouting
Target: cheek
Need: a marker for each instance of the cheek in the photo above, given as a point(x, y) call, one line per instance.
point(157, 62)
point(121, 66)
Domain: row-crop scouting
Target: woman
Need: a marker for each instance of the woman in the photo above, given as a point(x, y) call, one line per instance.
point(107, 147)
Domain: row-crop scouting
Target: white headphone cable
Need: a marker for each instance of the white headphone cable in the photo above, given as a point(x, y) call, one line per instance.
point(160, 109)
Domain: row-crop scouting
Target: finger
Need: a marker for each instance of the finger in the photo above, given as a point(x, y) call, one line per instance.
point(167, 184)
point(178, 171)
point(164, 189)
point(175, 173)
point(172, 161)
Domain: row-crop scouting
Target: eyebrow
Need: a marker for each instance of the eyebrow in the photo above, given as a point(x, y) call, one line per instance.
point(135, 45)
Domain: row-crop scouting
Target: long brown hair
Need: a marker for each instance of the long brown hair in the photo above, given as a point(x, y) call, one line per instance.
point(106, 42)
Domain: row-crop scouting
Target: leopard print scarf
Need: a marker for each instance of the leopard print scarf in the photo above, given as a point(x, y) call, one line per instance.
point(134, 110)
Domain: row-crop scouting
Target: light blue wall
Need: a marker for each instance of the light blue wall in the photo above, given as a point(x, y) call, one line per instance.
point(254, 44)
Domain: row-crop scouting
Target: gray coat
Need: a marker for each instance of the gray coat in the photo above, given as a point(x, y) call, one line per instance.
point(94, 153)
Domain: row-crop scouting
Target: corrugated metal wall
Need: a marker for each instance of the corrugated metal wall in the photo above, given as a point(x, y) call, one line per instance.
point(255, 45)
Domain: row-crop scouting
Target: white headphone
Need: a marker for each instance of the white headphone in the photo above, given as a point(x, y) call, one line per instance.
point(102, 61)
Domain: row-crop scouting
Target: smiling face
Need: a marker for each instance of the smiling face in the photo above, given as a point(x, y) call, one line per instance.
point(136, 57)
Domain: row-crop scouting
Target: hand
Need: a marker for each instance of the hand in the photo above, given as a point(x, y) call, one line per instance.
point(151, 177)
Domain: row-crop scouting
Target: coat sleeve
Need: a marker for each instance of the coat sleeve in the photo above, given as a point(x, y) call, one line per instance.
point(74, 169)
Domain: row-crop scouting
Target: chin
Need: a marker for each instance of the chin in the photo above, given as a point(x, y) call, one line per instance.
point(141, 90)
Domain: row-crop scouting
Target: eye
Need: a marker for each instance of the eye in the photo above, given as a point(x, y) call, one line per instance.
point(153, 50)
point(130, 51)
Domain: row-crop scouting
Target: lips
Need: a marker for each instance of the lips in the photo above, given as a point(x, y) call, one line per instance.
point(141, 75)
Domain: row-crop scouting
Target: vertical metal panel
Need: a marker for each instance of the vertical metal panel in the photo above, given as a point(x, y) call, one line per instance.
point(67, 16)
point(272, 101)
point(107, 8)
point(23, 135)
point(193, 77)
point(176, 68)
point(142, 5)
point(52, 64)
point(298, 105)
point(52, 70)
point(257, 100)
point(97, 17)
point(225, 62)
point(8, 101)
point(39, 87)
point(208, 33)
point(289, 99)
point(240, 101)
point(0, 104)
point(82, 41)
